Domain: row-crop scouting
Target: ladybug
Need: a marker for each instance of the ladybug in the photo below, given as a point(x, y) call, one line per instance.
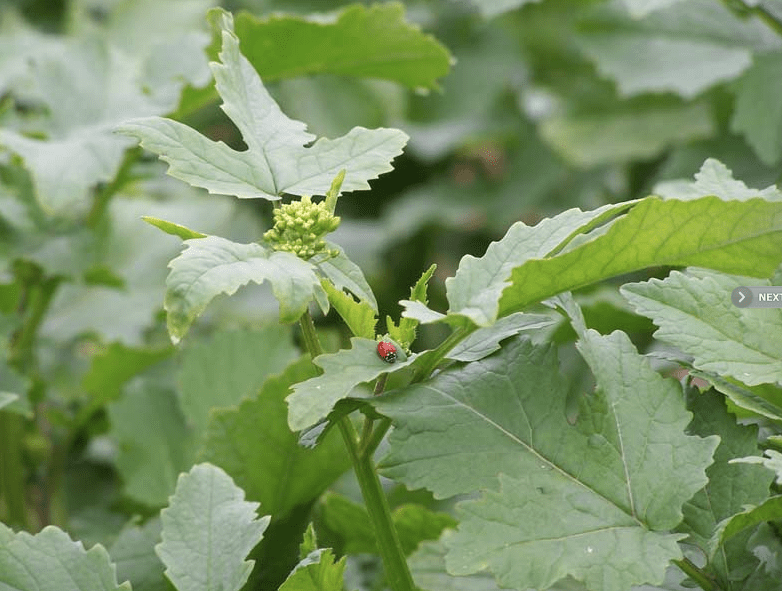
point(386, 351)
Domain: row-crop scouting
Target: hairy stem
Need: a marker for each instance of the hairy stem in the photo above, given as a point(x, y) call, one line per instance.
point(396, 569)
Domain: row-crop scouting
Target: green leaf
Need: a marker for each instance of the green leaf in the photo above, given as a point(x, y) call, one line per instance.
point(7, 398)
point(350, 521)
point(154, 442)
point(730, 488)
point(640, 8)
point(714, 47)
point(597, 495)
point(173, 229)
point(211, 266)
point(427, 565)
point(728, 236)
point(491, 8)
point(317, 572)
point(769, 510)
point(51, 561)
point(359, 316)
point(758, 113)
point(772, 460)
point(475, 289)
point(486, 340)
point(134, 554)
point(276, 160)
point(368, 41)
point(114, 366)
point(313, 399)
point(346, 275)
point(405, 331)
point(727, 340)
point(253, 444)
point(714, 178)
point(229, 367)
point(764, 399)
point(208, 530)
point(631, 132)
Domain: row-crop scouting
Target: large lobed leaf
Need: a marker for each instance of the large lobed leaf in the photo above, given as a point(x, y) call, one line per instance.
point(212, 266)
point(276, 160)
point(208, 530)
point(373, 41)
point(601, 497)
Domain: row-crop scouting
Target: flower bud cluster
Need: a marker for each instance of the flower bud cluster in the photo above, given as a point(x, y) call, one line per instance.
point(299, 227)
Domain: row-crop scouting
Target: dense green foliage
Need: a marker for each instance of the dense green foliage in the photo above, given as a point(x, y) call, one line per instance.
point(575, 403)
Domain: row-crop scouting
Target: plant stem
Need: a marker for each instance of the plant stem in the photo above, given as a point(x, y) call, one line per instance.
point(396, 569)
point(697, 575)
point(13, 506)
point(436, 356)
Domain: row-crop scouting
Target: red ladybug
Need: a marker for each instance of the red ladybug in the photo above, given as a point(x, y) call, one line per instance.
point(386, 351)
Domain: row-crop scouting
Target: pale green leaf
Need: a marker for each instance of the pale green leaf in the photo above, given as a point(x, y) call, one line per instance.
point(173, 229)
point(229, 367)
point(253, 444)
point(486, 340)
point(367, 41)
point(714, 178)
point(359, 316)
point(276, 160)
point(134, 554)
point(154, 442)
point(771, 459)
point(609, 136)
point(7, 398)
point(427, 566)
point(696, 315)
point(730, 489)
point(729, 236)
point(596, 494)
point(318, 571)
point(685, 48)
point(758, 112)
point(475, 289)
point(212, 266)
point(208, 530)
point(640, 8)
point(51, 561)
point(313, 399)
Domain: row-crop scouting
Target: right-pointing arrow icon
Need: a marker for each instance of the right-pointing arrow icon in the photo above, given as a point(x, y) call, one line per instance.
point(741, 297)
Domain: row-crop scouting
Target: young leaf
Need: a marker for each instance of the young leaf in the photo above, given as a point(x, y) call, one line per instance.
point(253, 444)
point(346, 275)
point(370, 41)
point(51, 561)
point(313, 399)
point(276, 160)
point(317, 572)
point(359, 316)
point(212, 265)
point(597, 495)
point(173, 229)
point(404, 332)
point(696, 315)
point(768, 510)
point(208, 530)
point(729, 236)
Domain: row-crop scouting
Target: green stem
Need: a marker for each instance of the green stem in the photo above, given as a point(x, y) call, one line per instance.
point(396, 569)
point(105, 193)
point(13, 505)
point(435, 357)
point(697, 575)
point(758, 11)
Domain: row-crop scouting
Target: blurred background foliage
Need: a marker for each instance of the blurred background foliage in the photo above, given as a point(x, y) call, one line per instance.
point(548, 105)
